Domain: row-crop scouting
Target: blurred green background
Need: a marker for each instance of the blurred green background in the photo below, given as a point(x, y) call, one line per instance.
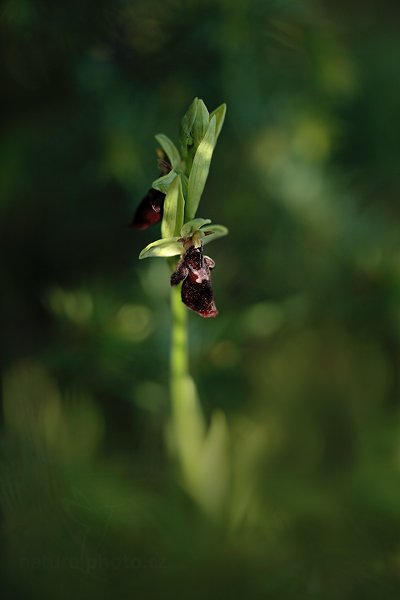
point(303, 362)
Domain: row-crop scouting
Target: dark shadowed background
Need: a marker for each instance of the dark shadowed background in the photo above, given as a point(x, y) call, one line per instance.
point(304, 358)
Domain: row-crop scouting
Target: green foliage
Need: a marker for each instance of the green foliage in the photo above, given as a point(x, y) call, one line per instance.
point(194, 225)
point(219, 114)
point(199, 133)
point(163, 183)
point(172, 246)
point(200, 124)
point(199, 171)
point(174, 207)
point(164, 247)
point(170, 150)
point(186, 130)
point(213, 232)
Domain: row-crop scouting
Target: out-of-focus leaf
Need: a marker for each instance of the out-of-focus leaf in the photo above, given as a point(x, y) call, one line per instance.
point(200, 169)
point(214, 467)
point(188, 426)
point(170, 149)
point(165, 247)
point(174, 208)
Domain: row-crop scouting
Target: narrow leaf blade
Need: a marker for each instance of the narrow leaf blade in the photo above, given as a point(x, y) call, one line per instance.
point(199, 172)
point(200, 124)
point(174, 207)
point(219, 114)
point(170, 149)
point(187, 125)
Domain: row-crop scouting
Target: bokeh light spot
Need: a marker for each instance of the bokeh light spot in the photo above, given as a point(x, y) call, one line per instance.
point(225, 354)
point(263, 319)
point(134, 322)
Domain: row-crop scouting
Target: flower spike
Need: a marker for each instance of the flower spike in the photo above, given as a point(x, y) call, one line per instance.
point(174, 199)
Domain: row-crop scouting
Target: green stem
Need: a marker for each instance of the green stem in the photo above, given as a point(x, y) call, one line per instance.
point(187, 420)
point(179, 369)
point(179, 343)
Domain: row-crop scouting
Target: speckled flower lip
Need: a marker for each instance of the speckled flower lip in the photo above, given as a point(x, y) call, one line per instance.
point(194, 270)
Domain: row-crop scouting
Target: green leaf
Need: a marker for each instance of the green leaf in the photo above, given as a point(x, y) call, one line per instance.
point(187, 125)
point(199, 172)
point(212, 232)
point(170, 150)
point(219, 114)
point(200, 124)
point(163, 183)
point(165, 247)
point(191, 226)
point(185, 183)
point(174, 208)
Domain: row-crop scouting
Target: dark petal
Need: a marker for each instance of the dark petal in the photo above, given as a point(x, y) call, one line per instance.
point(180, 273)
point(194, 270)
point(209, 262)
point(193, 258)
point(199, 297)
point(150, 210)
point(191, 261)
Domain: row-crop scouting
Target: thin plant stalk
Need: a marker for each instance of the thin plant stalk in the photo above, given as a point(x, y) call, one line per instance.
point(187, 419)
point(179, 361)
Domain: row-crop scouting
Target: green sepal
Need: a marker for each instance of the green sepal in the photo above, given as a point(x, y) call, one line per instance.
point(163, 183)
point(200, 124)
point(188, 119)
point(219, 114)
point(170, 150)
point(174, 208)
point(217, 231)
point(191, 226)
point(162, 248)
point(199, 172)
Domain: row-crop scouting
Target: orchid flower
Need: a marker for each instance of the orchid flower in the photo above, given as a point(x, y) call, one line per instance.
point(174, 199)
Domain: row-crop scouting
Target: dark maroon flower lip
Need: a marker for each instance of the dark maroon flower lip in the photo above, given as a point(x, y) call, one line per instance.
point(194, 270)
point(149, 211)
